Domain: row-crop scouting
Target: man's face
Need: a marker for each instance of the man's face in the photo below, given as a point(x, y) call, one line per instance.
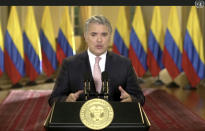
point(97, 38)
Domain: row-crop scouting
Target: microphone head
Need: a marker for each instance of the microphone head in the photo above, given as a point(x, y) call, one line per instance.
point(87, 77)
point(104, 76)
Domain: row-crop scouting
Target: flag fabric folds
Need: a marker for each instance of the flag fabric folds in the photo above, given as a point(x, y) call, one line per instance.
point(173, 47)
point(138, 43)
point(48, 44)
point(85, 13)
point(193, 60)
point(155, 44)
point(66, 41)
point(14, 50)
point(32, 47)
point(121, 35)
point(1, 52)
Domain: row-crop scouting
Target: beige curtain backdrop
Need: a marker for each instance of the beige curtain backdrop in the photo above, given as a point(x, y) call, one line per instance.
point(85, 13)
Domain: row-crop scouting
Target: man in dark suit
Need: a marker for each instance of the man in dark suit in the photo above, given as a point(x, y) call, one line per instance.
point(96, 59)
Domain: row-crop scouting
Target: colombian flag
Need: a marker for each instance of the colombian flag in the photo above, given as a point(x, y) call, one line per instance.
point(173, 47)
point(1, 52)
point(48, 44)
point(32, 46)
point(14, 49)
point(138, 43)
point(121, 35)
point(155, 44)
point(66, 40)
point(193, 60)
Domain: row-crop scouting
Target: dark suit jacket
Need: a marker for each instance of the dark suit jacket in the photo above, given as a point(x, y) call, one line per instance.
point(72, 74)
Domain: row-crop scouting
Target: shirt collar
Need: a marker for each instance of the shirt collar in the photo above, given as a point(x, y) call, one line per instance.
point(90, 54)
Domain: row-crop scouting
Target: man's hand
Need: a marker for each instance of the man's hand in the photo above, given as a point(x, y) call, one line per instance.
point(74, 96)
point(124, 95)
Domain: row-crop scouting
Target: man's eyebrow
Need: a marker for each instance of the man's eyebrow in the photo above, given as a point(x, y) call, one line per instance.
point(93, 32)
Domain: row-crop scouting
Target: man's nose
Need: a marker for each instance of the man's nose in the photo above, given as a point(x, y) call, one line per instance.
point(99, 39)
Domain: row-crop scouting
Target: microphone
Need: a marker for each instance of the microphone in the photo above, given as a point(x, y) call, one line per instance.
point(105, 88)
point(87, 80)
point(87, 77)
point(104, 76)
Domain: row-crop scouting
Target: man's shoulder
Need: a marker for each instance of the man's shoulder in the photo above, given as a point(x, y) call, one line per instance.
point(117, 57)
point(76, 58)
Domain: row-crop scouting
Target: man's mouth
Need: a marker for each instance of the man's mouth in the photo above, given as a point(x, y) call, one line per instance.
point(99, 46)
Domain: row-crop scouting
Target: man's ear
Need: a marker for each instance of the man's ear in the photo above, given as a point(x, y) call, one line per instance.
point(85, 37)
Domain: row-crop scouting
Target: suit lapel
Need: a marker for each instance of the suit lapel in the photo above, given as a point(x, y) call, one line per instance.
point(87, 71)
point(87, 68)
point(108, 62)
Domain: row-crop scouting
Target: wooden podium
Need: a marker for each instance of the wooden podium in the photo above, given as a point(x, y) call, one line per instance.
point(65, 117)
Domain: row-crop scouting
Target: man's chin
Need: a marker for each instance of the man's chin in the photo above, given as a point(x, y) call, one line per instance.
point(98, 53)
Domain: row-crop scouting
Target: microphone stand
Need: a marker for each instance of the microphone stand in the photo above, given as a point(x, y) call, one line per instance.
point(105, 89)
point(86, 89)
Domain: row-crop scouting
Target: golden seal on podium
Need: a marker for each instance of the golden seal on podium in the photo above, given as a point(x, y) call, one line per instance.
point(96, 114)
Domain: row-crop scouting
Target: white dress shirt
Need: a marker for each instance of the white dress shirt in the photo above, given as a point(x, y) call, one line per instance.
point(92, 60)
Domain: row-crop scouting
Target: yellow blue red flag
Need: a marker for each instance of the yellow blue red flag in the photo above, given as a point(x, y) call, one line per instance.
point(193, 60)
point(1, 52)
point(66, 39)
point(121, 35)
point(14, 49)
point(48, 43)
point(32, 47)
point(173, 47)
point(155, 44)
point(138, 43)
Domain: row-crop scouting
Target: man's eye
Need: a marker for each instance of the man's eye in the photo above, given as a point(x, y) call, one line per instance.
point(104, 34)
point(93, 34)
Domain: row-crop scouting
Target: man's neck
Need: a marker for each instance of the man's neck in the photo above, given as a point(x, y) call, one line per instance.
point(90, 53)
